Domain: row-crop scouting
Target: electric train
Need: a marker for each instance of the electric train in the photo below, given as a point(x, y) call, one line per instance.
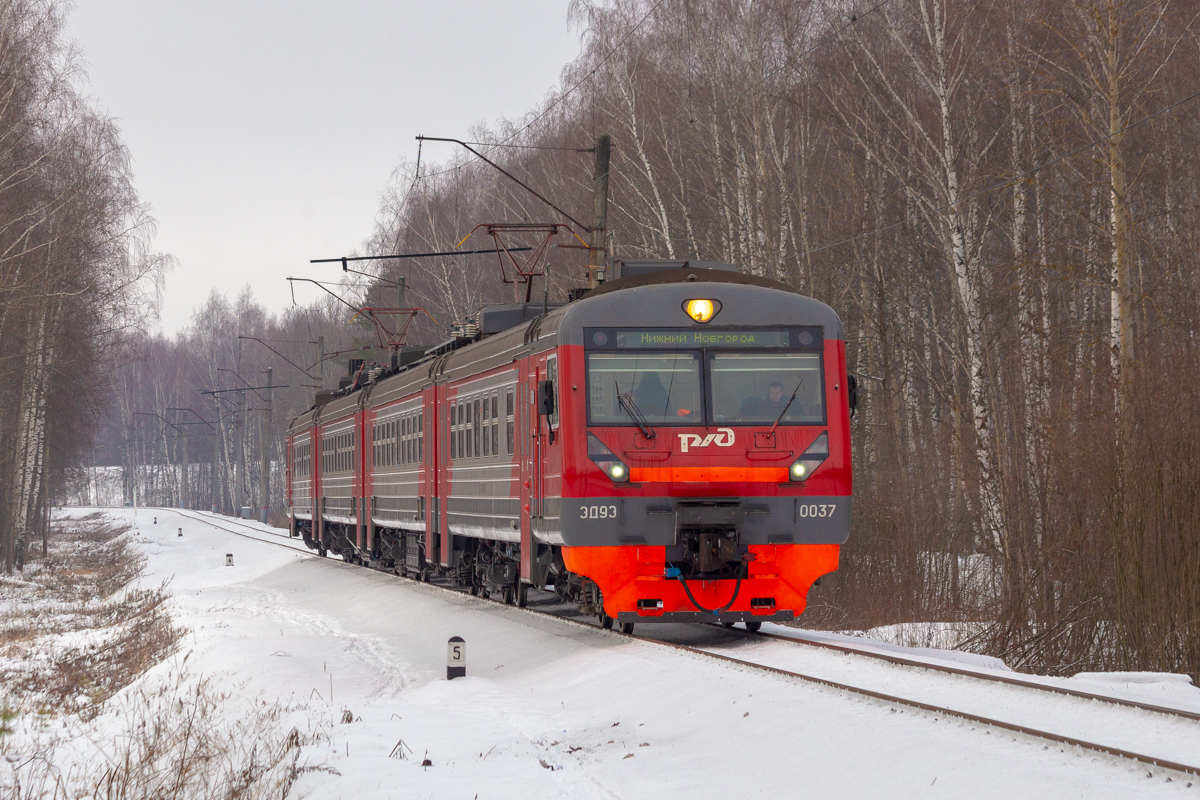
point(673, 446)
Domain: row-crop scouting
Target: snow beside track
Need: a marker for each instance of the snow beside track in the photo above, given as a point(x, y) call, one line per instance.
point(551, 709)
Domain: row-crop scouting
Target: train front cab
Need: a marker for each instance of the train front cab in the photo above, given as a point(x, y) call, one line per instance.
point(683, 500)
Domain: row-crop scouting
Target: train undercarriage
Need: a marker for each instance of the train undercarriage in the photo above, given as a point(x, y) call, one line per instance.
point(480, 567)
point(491, 569)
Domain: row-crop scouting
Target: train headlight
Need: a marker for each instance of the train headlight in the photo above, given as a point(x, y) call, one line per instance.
point(810, 459)
point(604, 458)
point(701, 310)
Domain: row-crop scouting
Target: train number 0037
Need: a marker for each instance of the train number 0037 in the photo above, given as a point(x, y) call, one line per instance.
point(821, 510)
point(597, 512)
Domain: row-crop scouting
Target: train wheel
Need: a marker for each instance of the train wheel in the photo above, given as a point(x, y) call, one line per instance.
point(474, 591)
point(509, 596)
point(626, 627)
point(523, 595)
point(606, 621)
point(726, 624)
point(753, 626)
point(425, 576)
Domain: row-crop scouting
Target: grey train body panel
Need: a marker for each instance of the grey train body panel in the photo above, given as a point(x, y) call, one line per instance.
point(656, 521)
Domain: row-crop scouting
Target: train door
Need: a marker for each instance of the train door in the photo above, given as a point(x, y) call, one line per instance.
point(318, 486)
point(537, 450)
point(431, 460)
point(525, 416)
point(359, 443)
point(440, 418)
point(367, 489)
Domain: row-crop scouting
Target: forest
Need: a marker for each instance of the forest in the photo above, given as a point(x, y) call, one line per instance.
point(998, 198)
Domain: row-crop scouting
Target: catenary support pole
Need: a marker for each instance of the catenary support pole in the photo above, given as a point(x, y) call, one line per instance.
point(265, 447)
point(183, 471)
point(597, 247)
point(239, 475)
point(216, 460)
point(321, 363)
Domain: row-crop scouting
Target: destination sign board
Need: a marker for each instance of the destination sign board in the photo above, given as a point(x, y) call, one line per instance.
point(660, 338)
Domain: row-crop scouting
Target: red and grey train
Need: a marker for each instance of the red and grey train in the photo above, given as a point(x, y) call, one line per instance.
point(674, 446)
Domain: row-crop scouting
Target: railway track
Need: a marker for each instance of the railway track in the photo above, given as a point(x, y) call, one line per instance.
point(1011, 680)
point(1188, 769)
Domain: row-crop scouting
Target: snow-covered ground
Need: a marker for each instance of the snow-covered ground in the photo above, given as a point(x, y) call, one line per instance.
point(553, 709)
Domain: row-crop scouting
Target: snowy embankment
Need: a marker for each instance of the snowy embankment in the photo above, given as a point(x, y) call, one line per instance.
point(552, 709)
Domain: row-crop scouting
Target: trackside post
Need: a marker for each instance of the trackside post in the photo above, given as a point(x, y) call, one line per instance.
point(456, 658)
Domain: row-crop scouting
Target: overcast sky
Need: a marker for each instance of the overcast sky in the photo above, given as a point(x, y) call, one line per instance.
point(263, 132)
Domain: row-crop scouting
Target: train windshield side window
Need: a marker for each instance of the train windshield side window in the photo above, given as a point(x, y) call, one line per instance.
point(552, 375)
point(663, 387)
point(755, 388)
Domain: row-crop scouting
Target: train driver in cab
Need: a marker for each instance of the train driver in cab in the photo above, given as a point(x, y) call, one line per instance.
point(771, 407)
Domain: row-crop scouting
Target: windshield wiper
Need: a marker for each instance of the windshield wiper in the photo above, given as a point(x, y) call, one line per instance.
point(630, 407)
point(788, 405)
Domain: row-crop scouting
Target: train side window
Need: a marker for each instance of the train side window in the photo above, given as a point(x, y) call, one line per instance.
point(486, 425)
point(453, 449)
point(462, 424)
point(475, 429)
point(468, 451)
point(468, 421)
point(420, 437)
point(508, 417)
point(495, 423)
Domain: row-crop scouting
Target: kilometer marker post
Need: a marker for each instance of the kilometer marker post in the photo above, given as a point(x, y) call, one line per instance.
point(456, 658)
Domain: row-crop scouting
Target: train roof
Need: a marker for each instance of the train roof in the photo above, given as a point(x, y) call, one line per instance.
point(747, 300)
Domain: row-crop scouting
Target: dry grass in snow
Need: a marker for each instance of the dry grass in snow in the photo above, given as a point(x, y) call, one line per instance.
point(79, 718)
point(74, 629)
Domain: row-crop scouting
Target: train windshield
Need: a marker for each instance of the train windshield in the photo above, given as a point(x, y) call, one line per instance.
point(663, 387)
point(754, 388)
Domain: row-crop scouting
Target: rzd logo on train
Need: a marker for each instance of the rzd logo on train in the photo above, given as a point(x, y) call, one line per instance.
point(722, 438)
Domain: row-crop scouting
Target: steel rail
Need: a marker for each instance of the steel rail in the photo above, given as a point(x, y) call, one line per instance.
point(831, 684)
point(1010, 680)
